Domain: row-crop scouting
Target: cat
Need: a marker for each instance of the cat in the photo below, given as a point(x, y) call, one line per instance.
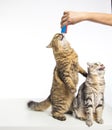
point(89, 102)
point(65, 79)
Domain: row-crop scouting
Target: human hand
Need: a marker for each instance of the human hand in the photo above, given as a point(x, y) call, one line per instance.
point(71, 17)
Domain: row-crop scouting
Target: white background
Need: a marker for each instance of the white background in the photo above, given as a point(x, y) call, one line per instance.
point(27, 27)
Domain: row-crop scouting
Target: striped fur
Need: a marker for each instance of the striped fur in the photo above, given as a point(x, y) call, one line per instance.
point(65, 79)
point(89, 102)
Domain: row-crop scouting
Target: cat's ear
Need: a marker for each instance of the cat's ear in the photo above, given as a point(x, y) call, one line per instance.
point(49, 46)
point(88, 63)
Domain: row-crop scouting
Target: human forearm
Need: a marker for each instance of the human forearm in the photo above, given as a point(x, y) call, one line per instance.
point(102, 18)
point(71, 17)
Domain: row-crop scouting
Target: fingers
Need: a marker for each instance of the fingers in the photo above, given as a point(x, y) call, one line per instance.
point(65, 12)
point(64, 19)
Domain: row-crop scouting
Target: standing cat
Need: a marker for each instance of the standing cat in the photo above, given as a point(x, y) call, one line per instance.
point(89, 101)
point(65, 79)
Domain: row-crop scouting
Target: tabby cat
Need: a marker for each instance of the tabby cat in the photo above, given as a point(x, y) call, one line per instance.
point(65, 79)
point(89, 102)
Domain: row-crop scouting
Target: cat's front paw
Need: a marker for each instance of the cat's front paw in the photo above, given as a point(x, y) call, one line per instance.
point(100, 121)
point(89, 122)
point(73, 90)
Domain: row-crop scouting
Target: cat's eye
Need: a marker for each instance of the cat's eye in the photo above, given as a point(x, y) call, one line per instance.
point(92, 66)
point(96, 63)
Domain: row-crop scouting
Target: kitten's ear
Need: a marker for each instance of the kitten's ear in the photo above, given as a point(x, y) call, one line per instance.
point(88, 63)
point(49, 46)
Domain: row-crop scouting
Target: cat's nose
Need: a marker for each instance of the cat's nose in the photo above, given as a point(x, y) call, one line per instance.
point(102, 66)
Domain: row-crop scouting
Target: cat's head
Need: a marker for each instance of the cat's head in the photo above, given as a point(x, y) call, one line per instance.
point(59, 43)
point(96, 68)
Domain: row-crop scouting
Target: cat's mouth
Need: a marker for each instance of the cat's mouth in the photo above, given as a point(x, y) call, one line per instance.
point(62, 37)
point(102, 67)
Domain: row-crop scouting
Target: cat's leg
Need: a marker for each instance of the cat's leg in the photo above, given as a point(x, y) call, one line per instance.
point(82, 71)
point(67, 80)
point(89, 116)
point(59, 116)
point(99, 111)
point(78, 110)
point(70, 110)
point(58, 113)
point(59, 108)
point(89, 110)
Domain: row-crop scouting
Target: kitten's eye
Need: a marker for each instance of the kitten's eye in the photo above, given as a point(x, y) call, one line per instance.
point(96, 63)
point(92, 66)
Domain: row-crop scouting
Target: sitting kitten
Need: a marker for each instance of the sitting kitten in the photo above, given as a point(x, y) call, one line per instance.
point(89, 102)
point(65, 79)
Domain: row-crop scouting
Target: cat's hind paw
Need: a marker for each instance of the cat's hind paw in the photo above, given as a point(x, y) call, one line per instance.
point(60, 117)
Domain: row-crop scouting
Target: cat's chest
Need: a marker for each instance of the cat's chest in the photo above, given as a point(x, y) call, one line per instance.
point(73, 67)
point(96, 98)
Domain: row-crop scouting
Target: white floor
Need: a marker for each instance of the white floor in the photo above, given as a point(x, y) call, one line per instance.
point(14, 115)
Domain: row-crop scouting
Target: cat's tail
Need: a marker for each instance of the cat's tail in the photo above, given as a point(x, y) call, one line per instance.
point(39, 106)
